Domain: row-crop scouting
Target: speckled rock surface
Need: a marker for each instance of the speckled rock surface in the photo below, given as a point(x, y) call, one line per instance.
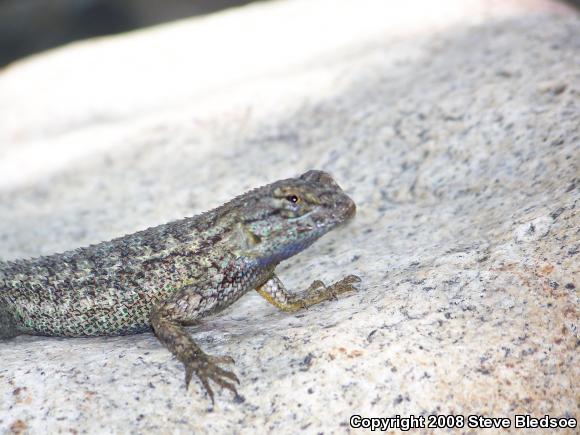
point(457, 134)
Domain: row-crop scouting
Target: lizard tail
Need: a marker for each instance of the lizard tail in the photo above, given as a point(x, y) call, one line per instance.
point(8, 327)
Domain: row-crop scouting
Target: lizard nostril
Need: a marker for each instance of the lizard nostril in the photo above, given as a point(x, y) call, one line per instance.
point(350, 208)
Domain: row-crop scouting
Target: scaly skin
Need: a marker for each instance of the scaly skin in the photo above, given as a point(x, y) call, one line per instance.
point(173, 275)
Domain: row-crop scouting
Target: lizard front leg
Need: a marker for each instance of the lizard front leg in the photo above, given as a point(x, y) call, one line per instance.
point(274, 292)
point(168, 320)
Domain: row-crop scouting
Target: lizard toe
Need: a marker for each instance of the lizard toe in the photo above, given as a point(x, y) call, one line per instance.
point(222, 359)
point(206, 369)
point(346, 284)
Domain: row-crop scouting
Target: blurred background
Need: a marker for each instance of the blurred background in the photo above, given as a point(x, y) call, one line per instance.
point(30, 26)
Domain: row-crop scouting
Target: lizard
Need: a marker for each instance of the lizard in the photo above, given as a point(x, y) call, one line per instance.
point(167, 277)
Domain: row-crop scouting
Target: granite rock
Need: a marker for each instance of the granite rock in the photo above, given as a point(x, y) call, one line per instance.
point(458, 135)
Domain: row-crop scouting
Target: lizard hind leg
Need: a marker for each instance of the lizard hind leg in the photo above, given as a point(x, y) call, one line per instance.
point(168, 326)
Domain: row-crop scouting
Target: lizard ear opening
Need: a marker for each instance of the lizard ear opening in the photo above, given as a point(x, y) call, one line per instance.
point(248, 238)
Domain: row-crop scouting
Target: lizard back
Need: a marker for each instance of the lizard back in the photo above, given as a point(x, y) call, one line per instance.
point(111, 287)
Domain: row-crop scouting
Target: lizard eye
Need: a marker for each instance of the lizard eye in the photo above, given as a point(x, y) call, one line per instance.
point(293, 198)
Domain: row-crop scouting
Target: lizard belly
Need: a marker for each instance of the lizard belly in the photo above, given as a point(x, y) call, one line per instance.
point(83, 317)
point(93, 312)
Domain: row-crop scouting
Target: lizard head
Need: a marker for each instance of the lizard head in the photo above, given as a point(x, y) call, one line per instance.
point(285, 217)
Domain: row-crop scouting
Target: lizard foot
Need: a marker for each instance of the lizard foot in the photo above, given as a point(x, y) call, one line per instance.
point(205, 367)
point(347, 284)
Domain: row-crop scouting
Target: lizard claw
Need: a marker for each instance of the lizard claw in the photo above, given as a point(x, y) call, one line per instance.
point(206, 368)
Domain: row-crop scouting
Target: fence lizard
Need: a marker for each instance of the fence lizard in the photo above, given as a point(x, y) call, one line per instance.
point(173, 275)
